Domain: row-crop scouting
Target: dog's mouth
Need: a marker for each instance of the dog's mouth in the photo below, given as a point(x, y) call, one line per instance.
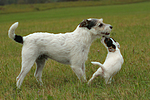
point(105, 33)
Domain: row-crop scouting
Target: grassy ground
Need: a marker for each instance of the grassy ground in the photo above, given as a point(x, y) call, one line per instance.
point(131, 24)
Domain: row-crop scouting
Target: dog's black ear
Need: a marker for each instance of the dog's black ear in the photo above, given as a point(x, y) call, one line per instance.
point(84, 23)
point(88, 23)
point(118, 45)
point(108, 42)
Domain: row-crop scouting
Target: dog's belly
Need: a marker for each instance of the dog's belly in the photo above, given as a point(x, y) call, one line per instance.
point(61, 60)
point(58, 59)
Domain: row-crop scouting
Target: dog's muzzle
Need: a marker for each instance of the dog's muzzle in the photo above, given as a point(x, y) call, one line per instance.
point(105, 33)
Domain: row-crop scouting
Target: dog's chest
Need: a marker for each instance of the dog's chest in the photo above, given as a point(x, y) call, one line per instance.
point(113, 60)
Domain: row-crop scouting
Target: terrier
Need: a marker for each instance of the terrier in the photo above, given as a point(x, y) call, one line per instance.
point(70, 48)
point(113, 61)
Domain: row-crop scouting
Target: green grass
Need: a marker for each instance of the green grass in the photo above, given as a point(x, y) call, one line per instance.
point(130, 23)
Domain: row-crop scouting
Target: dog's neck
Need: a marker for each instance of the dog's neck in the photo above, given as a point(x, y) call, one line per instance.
point(85, 33)
point(113, 51)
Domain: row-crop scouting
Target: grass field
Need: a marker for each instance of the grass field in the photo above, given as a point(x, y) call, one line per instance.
point(131, 28)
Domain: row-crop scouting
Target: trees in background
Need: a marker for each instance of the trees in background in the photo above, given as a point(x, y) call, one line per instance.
point(5, 2)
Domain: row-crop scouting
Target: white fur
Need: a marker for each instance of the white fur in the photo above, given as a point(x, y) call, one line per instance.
point(112, 64)
point(70, 48)
point(11, 33)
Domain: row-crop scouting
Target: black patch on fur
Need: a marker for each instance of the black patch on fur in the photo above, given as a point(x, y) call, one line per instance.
point(113, 46)
point(18, 39)
point(109, 43)
point(88, 23)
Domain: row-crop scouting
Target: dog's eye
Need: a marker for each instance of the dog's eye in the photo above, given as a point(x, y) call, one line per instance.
point(101, 25)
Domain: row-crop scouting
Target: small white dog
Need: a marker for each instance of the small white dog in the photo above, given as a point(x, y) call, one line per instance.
point(113, 62)
point(69, 48)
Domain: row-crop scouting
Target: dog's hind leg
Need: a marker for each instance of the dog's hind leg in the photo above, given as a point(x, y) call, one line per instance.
point(97, 73)
point(26, 66)
point(28, 59)
point(107, 79)
point(39, 67)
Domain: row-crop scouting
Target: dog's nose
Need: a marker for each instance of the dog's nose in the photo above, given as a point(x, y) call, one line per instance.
point(111, 27)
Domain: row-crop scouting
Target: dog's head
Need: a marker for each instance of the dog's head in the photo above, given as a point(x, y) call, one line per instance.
point(96, 27)
point(110, 44)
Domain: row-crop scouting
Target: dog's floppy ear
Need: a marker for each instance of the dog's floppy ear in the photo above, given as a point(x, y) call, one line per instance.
point(87, 23)
point(84, 23)
point(108, 42)
point(117, 44)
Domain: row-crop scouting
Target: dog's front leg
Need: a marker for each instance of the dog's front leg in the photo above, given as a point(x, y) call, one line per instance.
point(79, 72)
point(83, 70)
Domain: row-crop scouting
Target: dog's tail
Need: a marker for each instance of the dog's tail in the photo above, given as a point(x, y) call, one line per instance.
point(99, 64)
point(12, 35)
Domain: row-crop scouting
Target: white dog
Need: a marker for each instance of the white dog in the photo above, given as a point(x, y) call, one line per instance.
point(113, 62)
point(69, 48)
